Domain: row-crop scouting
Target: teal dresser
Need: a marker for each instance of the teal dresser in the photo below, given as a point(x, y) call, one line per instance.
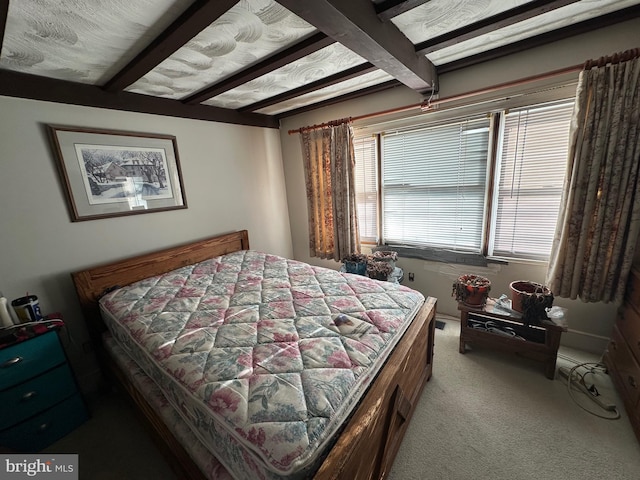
point(39, 398)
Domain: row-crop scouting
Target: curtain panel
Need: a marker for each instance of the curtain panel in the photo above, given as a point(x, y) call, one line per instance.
point(329, 165)
point(599, 220)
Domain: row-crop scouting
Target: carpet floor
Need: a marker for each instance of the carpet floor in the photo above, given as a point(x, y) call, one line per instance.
point(483, 415)
point(486, 415)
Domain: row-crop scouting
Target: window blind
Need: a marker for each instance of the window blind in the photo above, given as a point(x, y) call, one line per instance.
point(532, 164)
point(366, 187)
point(434, 182)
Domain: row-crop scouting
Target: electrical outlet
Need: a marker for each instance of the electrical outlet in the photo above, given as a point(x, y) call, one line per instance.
point(411, 277)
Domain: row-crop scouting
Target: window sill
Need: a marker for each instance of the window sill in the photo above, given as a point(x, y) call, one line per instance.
point(444, 256)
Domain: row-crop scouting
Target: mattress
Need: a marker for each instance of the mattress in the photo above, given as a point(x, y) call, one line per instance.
point(264, 358)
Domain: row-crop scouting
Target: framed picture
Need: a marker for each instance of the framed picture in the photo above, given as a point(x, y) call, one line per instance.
point(109, 173)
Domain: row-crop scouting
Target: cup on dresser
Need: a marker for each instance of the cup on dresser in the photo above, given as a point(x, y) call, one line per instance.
point(27, 308)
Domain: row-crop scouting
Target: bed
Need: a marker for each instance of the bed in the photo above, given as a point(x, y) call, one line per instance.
point(380, 392)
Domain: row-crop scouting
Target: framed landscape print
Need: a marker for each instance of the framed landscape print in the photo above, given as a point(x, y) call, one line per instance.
point(109, 173)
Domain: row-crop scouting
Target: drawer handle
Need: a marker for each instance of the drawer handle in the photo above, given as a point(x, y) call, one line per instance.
point(11, 362)
point(28, 396)
point(632, 381)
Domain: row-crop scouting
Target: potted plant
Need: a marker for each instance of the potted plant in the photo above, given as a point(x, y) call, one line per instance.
point(531, 299)
point(388, 256)
point(355, 263)
point(379, 270)
point(472, 290)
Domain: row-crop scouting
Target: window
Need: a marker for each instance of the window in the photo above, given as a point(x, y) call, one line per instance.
point(367, 187)
point(532, 163)
point(436, 182)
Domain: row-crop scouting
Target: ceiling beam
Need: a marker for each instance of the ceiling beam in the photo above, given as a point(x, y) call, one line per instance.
point(342, 98)
point(4, 12)
point(312, 87)
point(22, 85)
point(490, 24)
point(585, 26)
point(356, 25)
point(196, 18)
point(387, 9)
point(269, 64)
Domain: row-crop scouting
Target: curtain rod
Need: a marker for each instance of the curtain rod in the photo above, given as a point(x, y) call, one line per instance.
point(427, 104)
point(612, 59)
point(332, 123)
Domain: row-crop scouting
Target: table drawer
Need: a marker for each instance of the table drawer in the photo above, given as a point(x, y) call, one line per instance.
point(40, 431)
point(30, 358)
point(32, 397)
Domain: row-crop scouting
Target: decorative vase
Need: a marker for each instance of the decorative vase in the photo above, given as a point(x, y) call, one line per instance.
point(359, 268)
point(355, 263)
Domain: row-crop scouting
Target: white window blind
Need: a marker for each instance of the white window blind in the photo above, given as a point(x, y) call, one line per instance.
point(532, 165)
point(434, 182)
point(366, 187)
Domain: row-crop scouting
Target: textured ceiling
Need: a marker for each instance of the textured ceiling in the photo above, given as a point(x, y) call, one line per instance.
point(253, 61)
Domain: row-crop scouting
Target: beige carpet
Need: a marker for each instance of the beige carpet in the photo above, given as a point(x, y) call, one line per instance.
point(483, 415)
point(488, 415)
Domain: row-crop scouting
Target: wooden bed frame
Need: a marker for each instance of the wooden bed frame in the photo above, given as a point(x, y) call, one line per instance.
point(369, 442)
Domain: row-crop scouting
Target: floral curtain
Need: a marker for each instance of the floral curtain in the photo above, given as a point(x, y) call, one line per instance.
point(329, 165)
point(599, 221)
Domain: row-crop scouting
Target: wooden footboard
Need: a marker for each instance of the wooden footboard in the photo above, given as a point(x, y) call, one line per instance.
point(368, 444)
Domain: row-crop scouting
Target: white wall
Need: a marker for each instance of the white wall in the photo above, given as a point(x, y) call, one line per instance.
point(233, 179)
point(590, 324)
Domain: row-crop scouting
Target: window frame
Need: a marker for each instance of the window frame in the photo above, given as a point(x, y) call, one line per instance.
point(483, 257)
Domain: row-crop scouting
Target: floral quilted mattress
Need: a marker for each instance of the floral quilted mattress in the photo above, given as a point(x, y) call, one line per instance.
point(270, 352)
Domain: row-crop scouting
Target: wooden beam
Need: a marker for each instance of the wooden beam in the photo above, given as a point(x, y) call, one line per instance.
point(490, 24)
point(4, 12)
point(291, 54)
point(387, 9)
point(311, 87)
point(585, 26)
point(342, 98)
point(356, 25)
point(195, 19)
point(22, 85)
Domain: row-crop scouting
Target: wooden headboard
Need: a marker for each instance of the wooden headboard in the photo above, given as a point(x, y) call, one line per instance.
point(94, 282)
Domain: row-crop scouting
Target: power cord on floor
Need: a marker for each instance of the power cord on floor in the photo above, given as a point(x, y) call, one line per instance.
point(576, 382)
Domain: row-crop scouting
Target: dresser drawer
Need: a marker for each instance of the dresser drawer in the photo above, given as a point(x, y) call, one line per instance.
point(629, 326)
point(632, 292)
point(40, 431)
point(626, 366)
point(29, 358)
point(30, 398)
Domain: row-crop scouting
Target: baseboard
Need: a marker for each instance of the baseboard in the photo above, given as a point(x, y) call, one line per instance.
point(584, 341)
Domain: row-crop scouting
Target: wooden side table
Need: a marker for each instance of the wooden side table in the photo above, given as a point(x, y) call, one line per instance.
point(504, 330)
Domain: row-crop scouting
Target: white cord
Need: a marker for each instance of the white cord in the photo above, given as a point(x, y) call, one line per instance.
point(580, 378)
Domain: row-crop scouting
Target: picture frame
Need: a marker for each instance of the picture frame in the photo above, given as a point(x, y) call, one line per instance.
point(111, 173)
